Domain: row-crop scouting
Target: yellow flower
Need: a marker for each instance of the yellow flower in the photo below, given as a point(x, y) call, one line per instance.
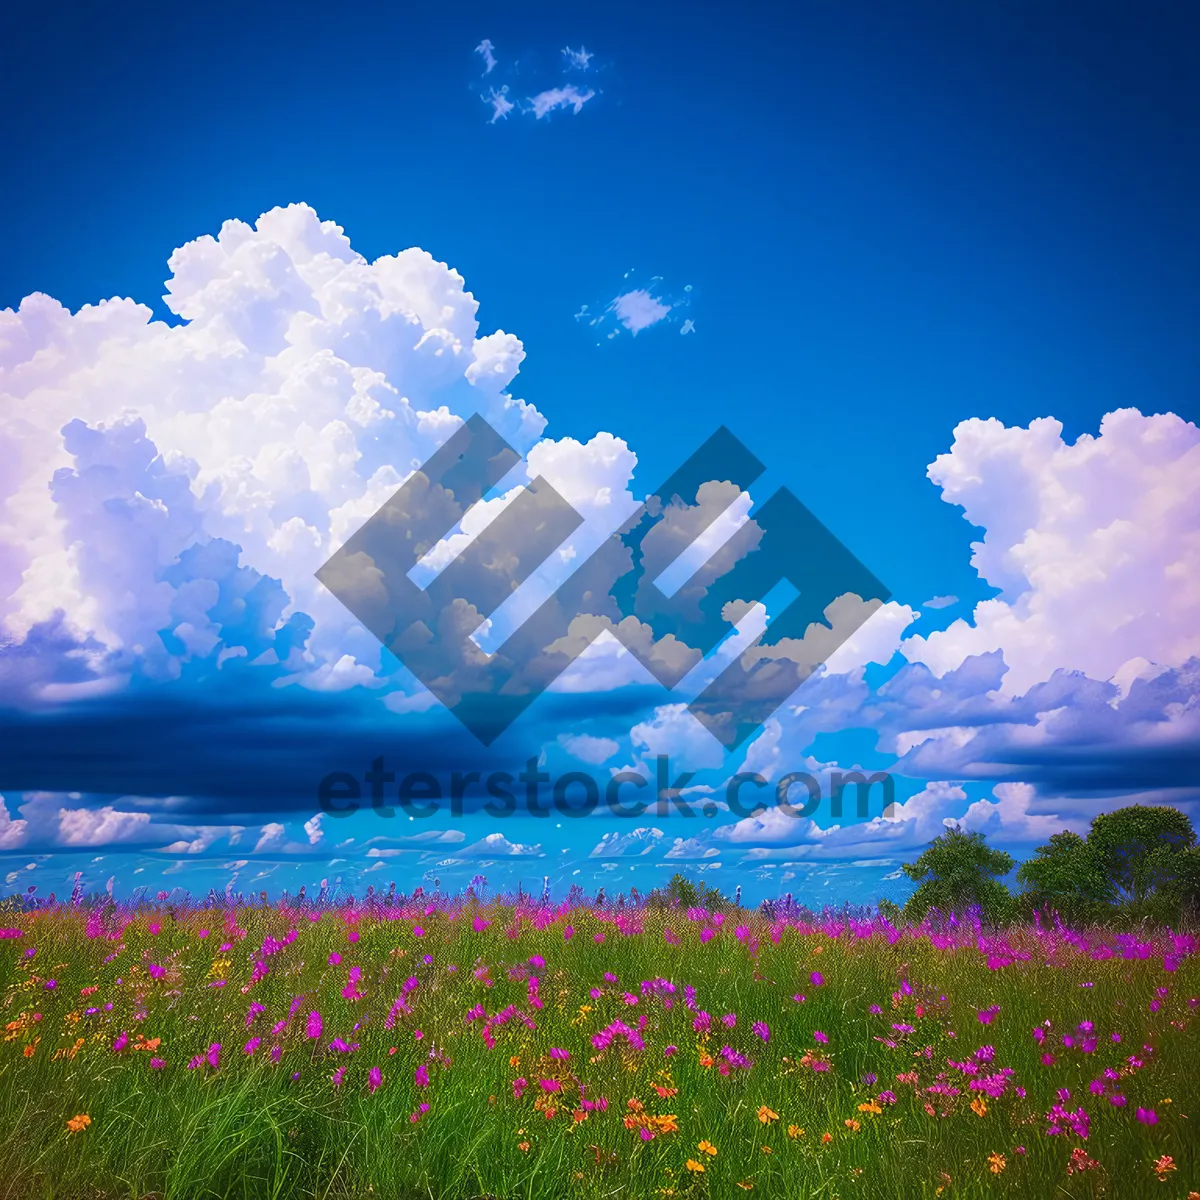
point(997, 1162)
point(979, 1106)
point(766, 1116)
point(746, 1185)
point(870, 1107)
point(79, 1123)
point(693, 1165)
point(707, 1148)
point(794, 1131)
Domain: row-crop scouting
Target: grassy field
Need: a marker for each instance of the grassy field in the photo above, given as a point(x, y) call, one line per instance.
point(453, 1050)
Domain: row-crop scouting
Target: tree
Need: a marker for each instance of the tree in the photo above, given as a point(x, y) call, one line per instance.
point(1137, 850)
point(1065, 876)
point(683, 890)
point(956, 871)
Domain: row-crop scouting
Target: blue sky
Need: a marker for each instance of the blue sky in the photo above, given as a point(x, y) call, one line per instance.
point(883, 222)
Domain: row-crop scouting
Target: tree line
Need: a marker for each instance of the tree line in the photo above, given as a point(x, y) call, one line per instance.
point(1139, 863)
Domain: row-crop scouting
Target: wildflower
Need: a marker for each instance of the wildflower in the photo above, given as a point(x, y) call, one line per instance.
point(816, 979)
point(157, 1064)
point(853, 1125)
point(523, 1147)
point(314, 1025)
point(794, 1131)
point(1163, 1167)
point(766, 1116)
point(707, 1148)
point(979, 1106)
point(996, 1163)
point(374, 1079)
point(693, 1165)
point(870, 1107)
point(762, 1029)
point(818, 1036)
point(79, 1123)
point(1147, 1116)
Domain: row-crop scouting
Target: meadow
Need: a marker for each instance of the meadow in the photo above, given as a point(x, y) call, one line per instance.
point(457, 1048)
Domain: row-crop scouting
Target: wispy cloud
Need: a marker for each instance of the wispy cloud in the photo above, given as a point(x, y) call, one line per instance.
point(485, 49)
point(638, 310)
point(570, 96)
point(501, 104)
point(577, 60)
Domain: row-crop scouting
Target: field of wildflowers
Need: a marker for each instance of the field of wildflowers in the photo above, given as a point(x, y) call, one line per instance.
point(455, 1048)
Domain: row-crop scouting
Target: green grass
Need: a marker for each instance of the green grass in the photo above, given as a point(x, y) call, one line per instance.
point(257, 1129)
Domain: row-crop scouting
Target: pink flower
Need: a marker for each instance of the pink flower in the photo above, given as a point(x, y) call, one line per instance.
point(374, 1079)
point(421, 1076)
point(334, 958)
point(314, 1025)
point(252, 1045)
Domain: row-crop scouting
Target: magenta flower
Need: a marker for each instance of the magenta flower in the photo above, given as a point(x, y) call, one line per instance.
point(1147, 1116)
point(762, 1029)
point(816, 979)
point(157, 1064)
point(374, 1079)
point(818, 1036)
point(729, 1020)
point(334, 958)
point(988, 1015)
point(252, 1045)
point(315, 1025)
point(421, 1076)
point(550, 1085)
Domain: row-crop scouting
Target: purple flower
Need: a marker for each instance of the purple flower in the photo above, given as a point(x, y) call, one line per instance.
point(314, 1025)
point(818, 1036)
point(1147, 1116)
point(816, 979)
point(374, 1079)
point(762, 1029)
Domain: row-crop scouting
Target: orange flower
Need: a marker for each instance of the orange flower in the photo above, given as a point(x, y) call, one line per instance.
point(852, 1125)
point(1163, 1167)
point(979, 1106)
point(666, 1123)
point(766, 1116)
point(767, 1150)
point(707, 1148)
point(706, 1060)
point(997, 1163)
point(78, 1124)
point(746, 1185)
point(523, 1147)
point(693, 1165)
point(826, 1138)
point(664, 1092)
point(870, 1107)
point(794, 1131)
point(515, 1061)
